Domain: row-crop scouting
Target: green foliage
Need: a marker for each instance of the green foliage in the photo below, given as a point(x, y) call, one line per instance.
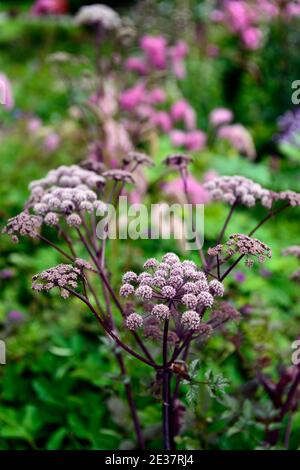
point(61, 387)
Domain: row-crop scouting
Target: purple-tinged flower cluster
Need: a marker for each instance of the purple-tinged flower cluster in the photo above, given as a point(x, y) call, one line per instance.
point(63, 276)
point(172, 286)
point(239, 243)
point(23, 224)
point(134, 321)
point(67, 177)
point(291, 197)
point(67, 192)
point(144, 101)
point(238, 189)
point(83, 264)
point(293, 251)
point(98, 14)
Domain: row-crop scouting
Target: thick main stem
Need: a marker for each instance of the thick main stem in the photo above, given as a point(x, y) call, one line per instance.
point(166, 391)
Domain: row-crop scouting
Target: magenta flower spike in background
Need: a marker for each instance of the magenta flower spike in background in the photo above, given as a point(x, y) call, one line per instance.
point(6, 94)
point(195, 140)
point(135, 64)
point(49, 7)
point(178, 53)
point(162, 120)
point(198, 193)
point(252, 37)
point(182, 111)
point(155, 49)
point(132, 97)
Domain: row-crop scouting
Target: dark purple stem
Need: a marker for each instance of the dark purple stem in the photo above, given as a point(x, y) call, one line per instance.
point(166, 376)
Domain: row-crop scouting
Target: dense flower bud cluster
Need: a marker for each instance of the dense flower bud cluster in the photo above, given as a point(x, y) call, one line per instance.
point(134, 321)
point(83, 264)
point(291, 197)
point(173, 286)
point(23, 224)
point(62, 276)
point(243, 245)
point(66, 191)
point(232, 189)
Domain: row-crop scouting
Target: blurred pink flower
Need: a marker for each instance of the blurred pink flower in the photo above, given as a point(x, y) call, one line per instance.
point(145, 111)
point(182, 111)
point(51, 142)
point(220, 116)
point(178, 54)
point(156, 96)
point(132, 97)
point(33, 125)
point(179, 69)
point(269, 8)
point(155, 48)
point(196, 191)
point(217, 16)
point(107, 100)
point(293, 9)
point(237, 13)
point(210, 175)
point(49, 7)
point(195, 140)
point(239, 138)
point(135, 64)
point(177, 138)
point(252, 37)
point(6, 95)
point(180, 50)
point(135, 197)
point(117, 140)
point(162, 120)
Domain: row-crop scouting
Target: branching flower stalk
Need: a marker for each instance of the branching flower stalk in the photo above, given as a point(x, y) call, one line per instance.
point(175, 302)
